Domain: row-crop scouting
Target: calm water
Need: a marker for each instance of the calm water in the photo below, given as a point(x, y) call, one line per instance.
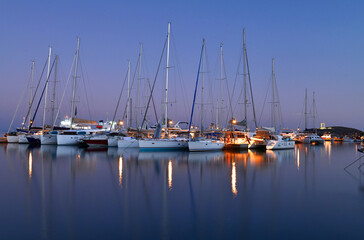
point(69, 193)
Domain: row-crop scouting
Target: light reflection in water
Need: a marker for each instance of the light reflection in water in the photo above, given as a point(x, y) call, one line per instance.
point(170, 169)
point(120, 170)
point(233, 179)
point(298, 160)
point(30, 163)
point(328, 148)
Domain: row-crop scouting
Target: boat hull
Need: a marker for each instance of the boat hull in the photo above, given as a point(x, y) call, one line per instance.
point(201, 146)
point(277, 145)
point(69, 140)
point(23, 139)
point(237, 146)
point(3, 140)
point(112, 141)
point(13, 139)
point(48, 139)
point(133, 143)
point(163, 144)
point(96, 142)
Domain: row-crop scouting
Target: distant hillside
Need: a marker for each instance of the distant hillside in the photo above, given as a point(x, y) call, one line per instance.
point(340, 131)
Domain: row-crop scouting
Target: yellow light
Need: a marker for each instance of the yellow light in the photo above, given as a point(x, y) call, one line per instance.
point(170, 122)
point(121, 123)
point(233, 180)
point(233, 121)
point(120, 170)
point(170, 170)
point(30, 163)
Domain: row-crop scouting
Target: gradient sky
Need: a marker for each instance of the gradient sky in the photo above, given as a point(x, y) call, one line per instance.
point(316, 45)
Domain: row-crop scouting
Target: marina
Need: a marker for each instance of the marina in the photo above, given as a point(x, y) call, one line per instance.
point(181, 120)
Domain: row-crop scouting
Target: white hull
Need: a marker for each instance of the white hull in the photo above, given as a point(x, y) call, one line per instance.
point(69, 139)
point(276, 145)
point(200, 146)
point(132, 143)
point(112, 141)
point(162, 144)
point(23, 139)
point(13, 139)
point(48, 139)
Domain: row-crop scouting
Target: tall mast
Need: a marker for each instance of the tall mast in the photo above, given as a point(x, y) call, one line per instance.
point(128, 101)
point(74, 83)
point(273, 97)
point(31, 91)
point(314, 111)
point(46, 90)
point(54, 90)
point(245, 93)
point(139, 75)
point(306, 109)
point(166, 90)
point(221, 78)
point(203, 82)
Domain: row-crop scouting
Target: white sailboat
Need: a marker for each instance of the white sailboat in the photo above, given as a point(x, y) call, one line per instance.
point(167, 143)
point(277, 142)
point(202, 144)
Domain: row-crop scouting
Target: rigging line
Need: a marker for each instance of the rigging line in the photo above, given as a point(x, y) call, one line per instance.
point(179, 73)
point(118, 102)
point(229, 96)
point(64, 92)
point(265, 101)
point(251, 88)
point(235, 80)
point(155, 111)
point(132, 83)
point(353, 162)
point(20, 100)
point(155, 79)
point(36, 90)
point(84, 87)
point(41, 96)
point(194, 96)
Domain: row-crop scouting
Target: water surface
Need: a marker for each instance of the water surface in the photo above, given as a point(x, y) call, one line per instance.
point(70, 193)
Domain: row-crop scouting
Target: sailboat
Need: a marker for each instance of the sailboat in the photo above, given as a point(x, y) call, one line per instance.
point(240, 139)
point(72, 136)
point(277, 142)
point(166, 143)
point(201, 143)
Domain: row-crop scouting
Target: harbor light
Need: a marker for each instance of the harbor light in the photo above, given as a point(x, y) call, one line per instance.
point(170, 122)
point(121, 123)
point(233, 121)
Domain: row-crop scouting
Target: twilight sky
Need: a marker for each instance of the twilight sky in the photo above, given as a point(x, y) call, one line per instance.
point(316, 45)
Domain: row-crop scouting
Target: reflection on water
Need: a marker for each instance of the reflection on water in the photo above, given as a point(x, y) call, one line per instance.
point(233, 179)
point(170, 172)
point(213, 195)
point(30, 164)
point(120, 170)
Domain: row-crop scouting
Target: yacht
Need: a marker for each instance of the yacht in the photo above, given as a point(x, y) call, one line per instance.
point(313, 139)
point(236, 140)
point(279, 142)
point(128, 142)
point(12, 137)
point(203, 144)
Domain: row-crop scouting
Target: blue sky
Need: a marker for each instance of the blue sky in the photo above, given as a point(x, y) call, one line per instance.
point(316, 44)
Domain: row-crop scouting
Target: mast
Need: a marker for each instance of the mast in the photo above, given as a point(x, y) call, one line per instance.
point(166, 90)
point(306, 109)
point(128, 101)
point(273, 97)
point(314, 111)
point(245, 93)
point(31, 92)
point(46, 91)
point(54, 90)
point(74, 83)
point(203, 82)
point(138, 90)
point(221, 78)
